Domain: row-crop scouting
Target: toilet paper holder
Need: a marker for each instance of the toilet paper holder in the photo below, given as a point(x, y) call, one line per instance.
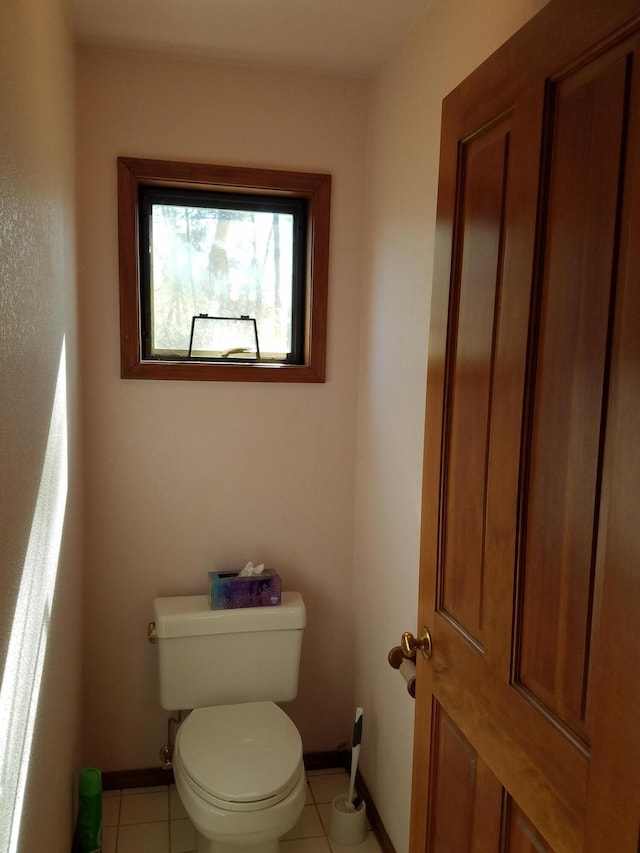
point(406, 667)
point(402, 657)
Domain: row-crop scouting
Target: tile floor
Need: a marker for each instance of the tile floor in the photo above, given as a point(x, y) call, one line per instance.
point(153, 820)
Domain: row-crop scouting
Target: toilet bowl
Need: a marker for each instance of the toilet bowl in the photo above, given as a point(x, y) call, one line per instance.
point(240, 776)
point(238, 757)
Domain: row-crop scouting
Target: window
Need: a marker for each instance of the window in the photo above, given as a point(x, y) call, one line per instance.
point(222, 276)
point(223, 272)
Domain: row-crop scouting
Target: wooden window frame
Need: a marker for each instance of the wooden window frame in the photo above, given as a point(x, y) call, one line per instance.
point(314, 187)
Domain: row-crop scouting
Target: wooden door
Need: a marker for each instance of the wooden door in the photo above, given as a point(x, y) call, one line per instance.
point(528, 713)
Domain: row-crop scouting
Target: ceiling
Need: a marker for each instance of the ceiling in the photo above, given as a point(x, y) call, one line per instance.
point(351, 37)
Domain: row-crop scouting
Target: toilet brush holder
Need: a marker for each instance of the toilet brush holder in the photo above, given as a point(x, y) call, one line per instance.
point(347, 825)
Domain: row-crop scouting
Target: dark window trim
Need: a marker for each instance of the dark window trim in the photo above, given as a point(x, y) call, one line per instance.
point(315, 188)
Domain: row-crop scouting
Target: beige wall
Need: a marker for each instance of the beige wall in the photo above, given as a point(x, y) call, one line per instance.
point(185, 477)
point(37, 310)
point(451, 39)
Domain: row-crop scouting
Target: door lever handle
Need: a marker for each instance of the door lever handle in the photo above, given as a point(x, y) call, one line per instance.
point(410, 644)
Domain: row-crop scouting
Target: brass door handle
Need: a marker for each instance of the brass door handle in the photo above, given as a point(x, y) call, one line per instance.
point(410, 644)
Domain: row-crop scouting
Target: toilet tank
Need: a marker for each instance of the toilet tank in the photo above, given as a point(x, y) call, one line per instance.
point(220, 657)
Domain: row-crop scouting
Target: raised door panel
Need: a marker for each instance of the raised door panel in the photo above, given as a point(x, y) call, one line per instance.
point(475, 299)
point(466, 806)
point(613, 806)
point(453, 797)
point(569, 379)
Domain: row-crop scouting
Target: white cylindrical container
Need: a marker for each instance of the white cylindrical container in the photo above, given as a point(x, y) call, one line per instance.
point(347, 825)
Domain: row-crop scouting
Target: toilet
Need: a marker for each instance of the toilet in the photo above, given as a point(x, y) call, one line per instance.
point(237, 757)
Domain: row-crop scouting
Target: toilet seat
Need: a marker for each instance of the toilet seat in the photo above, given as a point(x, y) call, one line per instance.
point(240, 757)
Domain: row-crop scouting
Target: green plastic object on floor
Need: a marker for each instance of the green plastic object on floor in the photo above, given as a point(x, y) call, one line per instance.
point(90, 811)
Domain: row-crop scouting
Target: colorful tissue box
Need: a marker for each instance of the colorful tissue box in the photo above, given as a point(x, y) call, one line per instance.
point(227, 591)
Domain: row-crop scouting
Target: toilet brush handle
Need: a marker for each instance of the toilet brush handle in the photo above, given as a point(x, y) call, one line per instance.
point(355, 752)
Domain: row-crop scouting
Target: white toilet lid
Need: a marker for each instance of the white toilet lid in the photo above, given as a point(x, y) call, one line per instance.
point(241, 754)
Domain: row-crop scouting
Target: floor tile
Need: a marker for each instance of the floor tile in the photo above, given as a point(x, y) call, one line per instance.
point(307, 826)
point(370, 845)
point(182, 836)
point(153, 820)
point(109, 839)
point(110, 808)
point(144, 838)
point(325, 788)
point(324, 810)
point(305, 845)
point(144, 808)
point(176, 809)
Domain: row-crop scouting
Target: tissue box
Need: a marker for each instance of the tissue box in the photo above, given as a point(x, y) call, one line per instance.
point(228, 591)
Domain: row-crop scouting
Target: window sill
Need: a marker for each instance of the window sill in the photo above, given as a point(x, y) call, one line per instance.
point(207, 372)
